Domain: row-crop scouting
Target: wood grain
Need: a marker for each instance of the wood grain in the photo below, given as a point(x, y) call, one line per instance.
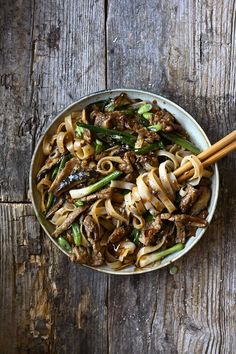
point(51, 53)
point(183, 50)
point(50, 57)
point(48, 304)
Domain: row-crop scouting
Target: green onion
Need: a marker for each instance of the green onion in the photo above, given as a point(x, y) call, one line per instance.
point(78, 203)
point(135, 236)
point(64, 159)
point(157, 256)
point(98, 146)
point(177, 139)
point(54, 173)
point(64, 244)
point(150, 147)
point(49, 201)
point(120, 137)
point(147, 115)
point(155, 127)
point(149, 217)
point(79, 131)
point(145, 108)
point(83, 192)
point(76, 233)
point(110, 107)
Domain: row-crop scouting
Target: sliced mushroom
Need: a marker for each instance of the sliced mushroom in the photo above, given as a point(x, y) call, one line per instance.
point(52, 160)
point(54, 208)
point(202, 201)
point(67, 170)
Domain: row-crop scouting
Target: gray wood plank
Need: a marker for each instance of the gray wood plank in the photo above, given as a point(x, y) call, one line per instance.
point(52, 53)
point(184, 50)
point(48, 304)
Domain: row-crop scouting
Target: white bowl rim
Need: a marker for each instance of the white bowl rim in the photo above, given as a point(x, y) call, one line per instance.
point(155, 96)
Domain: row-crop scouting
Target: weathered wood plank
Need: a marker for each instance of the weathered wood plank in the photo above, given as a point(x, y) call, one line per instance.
point(183, 50)
point(52, 53)
point(48, 304)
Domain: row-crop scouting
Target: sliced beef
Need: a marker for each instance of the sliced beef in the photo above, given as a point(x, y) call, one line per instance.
point(91, 229)
point(167, 121)
point(129, 160)
point(148, 233)
point(143, 162)
point(180, 232)
point(119, 233)
point(202, 201)
point(189, 199)
point(185, 219)
point(67, 223)
point(87, 256)
point(102, 194)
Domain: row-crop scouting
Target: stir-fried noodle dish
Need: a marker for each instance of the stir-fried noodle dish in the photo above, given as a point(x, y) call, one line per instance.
point(109, 188)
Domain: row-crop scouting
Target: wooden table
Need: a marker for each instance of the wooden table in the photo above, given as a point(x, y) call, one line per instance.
point(52, 53)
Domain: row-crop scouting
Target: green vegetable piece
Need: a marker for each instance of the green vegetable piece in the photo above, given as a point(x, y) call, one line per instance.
point(76, 233)
point(145, 108)
point(155, 127)
point(147, 115)
point(157, 256)
point(79, 203)
point(150, 147)
point(64, 244)
point(54, 173)
point(79, 193)
point(119, 136)
point(64, 160)
point(98, 146)
point(135, 236)
point(50, 201)
point(177, 139)
point(149, 217)
point(79, 131)
point(110, 107)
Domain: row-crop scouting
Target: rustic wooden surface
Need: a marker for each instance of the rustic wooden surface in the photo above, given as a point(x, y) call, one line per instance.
point(53, 52)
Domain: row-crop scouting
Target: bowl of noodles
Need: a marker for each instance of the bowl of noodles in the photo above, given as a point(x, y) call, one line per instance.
point(103, 182)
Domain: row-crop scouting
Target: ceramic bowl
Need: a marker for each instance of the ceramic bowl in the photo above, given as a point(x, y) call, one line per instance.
point(197, 136)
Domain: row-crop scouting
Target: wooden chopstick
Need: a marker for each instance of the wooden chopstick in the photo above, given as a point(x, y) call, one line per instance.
point(212, 159)
point(221, 144)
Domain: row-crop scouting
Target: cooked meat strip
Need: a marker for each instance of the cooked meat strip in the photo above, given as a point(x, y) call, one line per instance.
point(102, 194)
point(86, 256)
point(143, 162)
point(54, 208)
point(148, 233)
point(67, 170)
point(91, 229)
point(149, 136)
point(52, 160)
point(167, 121)
point(67, 223)
point(202, 201)
point(185, 219)
point(190, 230)
point(180, 232)
point(131, 177)
point(129, 160)
point(189, 199)
point(93, 236)
point(119, 233)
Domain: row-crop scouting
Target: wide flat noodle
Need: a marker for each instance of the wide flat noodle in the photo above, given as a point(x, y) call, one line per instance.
point(105, 165)
point(198, 169)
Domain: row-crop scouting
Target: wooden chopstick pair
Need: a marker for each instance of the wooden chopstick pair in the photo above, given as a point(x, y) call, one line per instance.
point(209, 156)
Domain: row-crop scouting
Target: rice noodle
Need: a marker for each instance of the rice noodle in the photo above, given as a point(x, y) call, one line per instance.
point(107, 162)
point(198, 169)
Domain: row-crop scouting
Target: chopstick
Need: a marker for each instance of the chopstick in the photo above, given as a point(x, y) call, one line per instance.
point(209, 156)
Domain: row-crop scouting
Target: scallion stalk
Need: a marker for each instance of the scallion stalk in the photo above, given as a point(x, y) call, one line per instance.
point(177, 139)
point(83, 192)
point(76, 233)
point(157, 256)
point(64, 244)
